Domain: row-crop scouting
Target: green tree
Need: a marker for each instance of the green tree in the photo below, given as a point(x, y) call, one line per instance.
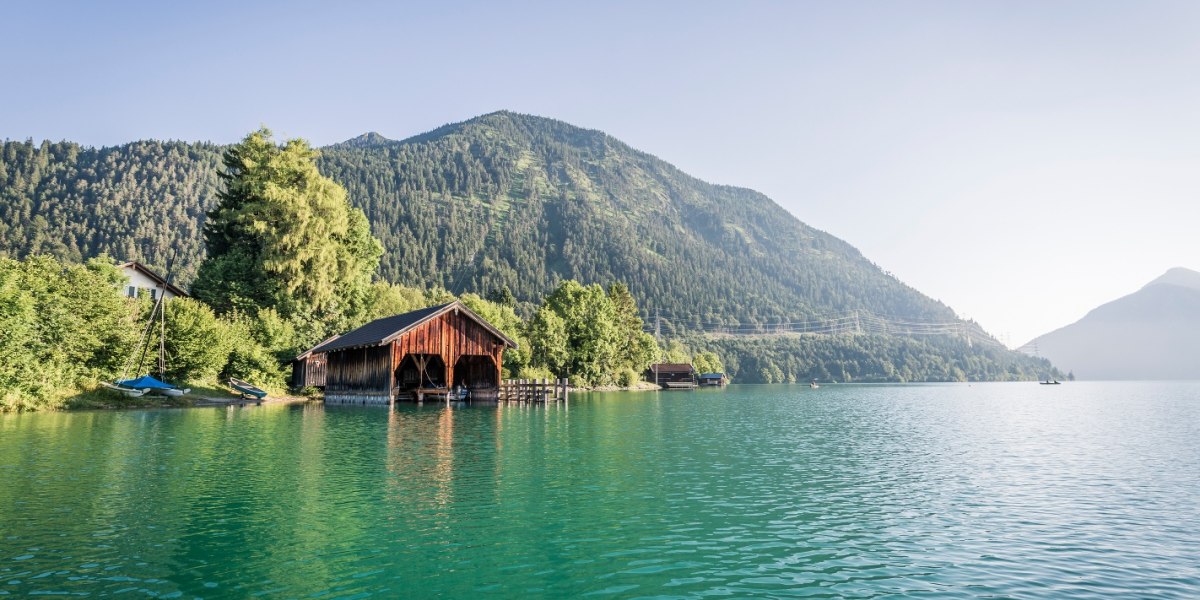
point(593, 340)
point(197, 343)
point(636, 348)
point(676, 352)
point(61, 328)
point(283, 236)
point(708, 362)
point(547, 335)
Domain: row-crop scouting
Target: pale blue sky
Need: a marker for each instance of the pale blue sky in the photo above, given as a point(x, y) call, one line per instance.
point(1021, 161)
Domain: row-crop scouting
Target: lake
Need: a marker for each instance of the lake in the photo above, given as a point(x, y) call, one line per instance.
point(921, 491)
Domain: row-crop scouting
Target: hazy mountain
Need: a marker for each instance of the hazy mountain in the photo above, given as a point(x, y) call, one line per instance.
point(1153, 333)
point(501, 200)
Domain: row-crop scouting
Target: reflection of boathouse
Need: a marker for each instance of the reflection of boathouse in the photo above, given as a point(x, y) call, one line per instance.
point(425, 351)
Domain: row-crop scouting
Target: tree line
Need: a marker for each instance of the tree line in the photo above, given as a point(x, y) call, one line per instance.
point(289, 262)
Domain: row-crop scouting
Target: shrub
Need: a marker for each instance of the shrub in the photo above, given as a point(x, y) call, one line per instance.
point(627, 378)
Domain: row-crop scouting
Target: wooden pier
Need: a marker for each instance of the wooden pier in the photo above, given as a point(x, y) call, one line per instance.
point(534, 390)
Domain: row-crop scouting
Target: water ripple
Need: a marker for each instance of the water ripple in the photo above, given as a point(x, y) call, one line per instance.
point(1001, 491)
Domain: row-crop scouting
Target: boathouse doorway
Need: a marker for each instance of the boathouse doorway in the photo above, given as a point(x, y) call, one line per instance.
point(476, 373)
point(420, 371)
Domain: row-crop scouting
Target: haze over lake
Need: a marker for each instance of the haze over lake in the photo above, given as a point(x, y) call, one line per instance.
point(1005, 490)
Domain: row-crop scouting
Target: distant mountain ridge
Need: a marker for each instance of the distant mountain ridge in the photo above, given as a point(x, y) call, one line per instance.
point(369, 139)
point(503, 200)
point(1153, 333)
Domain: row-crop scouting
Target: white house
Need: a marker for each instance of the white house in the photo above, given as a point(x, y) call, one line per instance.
point(141, 277)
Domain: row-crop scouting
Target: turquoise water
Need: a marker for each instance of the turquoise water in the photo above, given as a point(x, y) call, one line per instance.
point(996, 491)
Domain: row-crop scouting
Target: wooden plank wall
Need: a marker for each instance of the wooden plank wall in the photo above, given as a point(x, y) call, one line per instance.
point(309, 372)
point(358, 370)
point(450, 336)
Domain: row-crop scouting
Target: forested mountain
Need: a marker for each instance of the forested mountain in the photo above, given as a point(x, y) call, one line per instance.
point(499, 201)
point(1149, 334)
point(136, 201)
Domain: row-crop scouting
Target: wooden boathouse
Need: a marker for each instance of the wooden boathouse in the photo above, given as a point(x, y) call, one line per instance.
point(308, 368)
point(425, 352)
point(673, 376)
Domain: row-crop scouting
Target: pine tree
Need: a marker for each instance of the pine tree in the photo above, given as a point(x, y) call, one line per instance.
point(283, 236)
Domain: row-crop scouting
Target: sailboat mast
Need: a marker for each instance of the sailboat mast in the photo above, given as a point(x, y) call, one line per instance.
point(162, 337)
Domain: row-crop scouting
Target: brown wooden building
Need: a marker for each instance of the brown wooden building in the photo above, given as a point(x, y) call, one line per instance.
point(673, 375)
point(427, 351)
point(308, 369)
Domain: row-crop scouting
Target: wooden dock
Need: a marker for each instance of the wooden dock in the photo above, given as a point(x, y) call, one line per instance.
point(534, 390)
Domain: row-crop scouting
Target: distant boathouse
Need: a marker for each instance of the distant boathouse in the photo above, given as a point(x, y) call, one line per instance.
point(428, 351)
point(672, 376)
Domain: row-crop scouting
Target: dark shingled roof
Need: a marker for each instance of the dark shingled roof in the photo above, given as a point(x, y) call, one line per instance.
point(671, 368)
point(308, 353)
point(379, 331)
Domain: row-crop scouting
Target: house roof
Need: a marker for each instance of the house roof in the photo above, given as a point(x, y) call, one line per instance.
point(712, 375)
point(385, 330)
point(671, 368)
point(307, 353)
point(144, 270)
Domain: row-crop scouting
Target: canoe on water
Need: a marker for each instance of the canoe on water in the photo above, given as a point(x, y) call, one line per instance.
point(247, 389)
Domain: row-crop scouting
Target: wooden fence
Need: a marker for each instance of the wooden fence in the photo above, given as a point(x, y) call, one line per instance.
point(534, 390)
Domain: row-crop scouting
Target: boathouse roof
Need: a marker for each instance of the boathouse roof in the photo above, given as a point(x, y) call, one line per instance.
point(383, 331)
point(308, 353)
point(671, 368)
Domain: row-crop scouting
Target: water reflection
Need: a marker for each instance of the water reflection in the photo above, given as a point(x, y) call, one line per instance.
point(856, 491)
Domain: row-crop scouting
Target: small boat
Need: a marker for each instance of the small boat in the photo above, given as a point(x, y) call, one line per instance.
point(128, 391)
point(813, 384)
point(150, 384)
point(247, 389)
point(1048, 382)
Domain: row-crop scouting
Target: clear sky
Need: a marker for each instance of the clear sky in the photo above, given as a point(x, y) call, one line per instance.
point(1023, 162)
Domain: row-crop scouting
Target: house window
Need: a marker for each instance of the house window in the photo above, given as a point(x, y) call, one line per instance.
point(131, 291)
point(154, 294)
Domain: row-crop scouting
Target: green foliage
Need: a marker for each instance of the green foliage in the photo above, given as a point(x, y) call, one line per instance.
point(530, 372)
point(592, 337)
point(283, 237)
point(627, 378)
point(389, 299)
point(589, 334)
point(868, 358)
point(676, 352)
point(197, 343)
point(60, 326)
point(708, 362)
point(547, 335)
point(250, 359)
